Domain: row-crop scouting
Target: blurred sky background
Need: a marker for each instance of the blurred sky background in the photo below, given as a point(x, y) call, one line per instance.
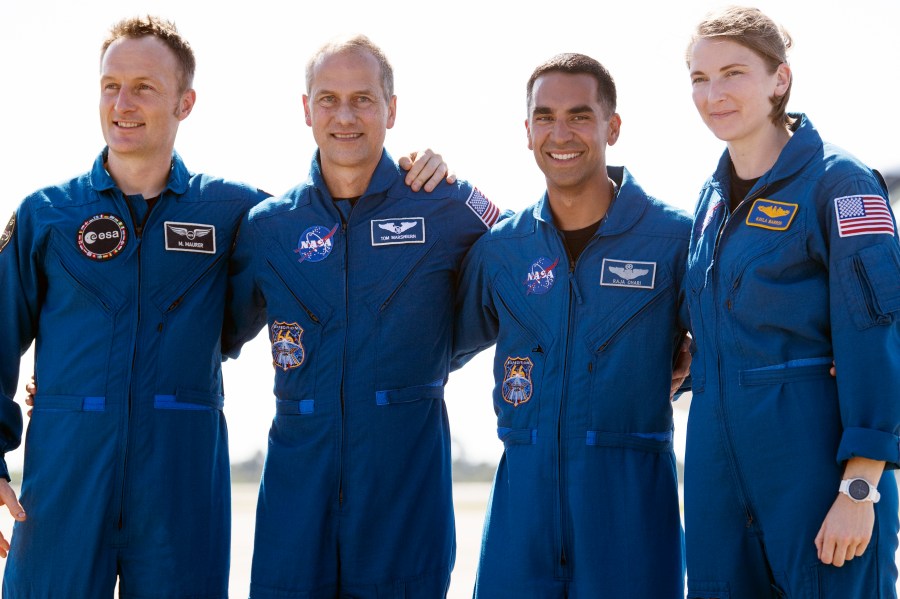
point(460, 70)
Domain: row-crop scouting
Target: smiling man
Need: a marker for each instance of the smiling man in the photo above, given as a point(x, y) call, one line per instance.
point(119, 277)
point(355, 275)
point(582, 292)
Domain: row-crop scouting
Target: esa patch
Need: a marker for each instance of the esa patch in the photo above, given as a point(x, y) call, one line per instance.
point(517, 386)
point(102, 237)
point(540, 277)
point(8, 232)
point(315, 243)
point(628, 273)
point(770, 214)
point(863, 215)
point(190, 237)
point(287, 347)
point(393, 231)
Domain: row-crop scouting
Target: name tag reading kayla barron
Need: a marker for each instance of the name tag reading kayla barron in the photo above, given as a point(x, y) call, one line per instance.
point(190, 237)
point(769, 214)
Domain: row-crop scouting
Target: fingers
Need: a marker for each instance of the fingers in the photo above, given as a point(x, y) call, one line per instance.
point(406, 162)
point(4, 546)
point(426, 170)
point(8, 497)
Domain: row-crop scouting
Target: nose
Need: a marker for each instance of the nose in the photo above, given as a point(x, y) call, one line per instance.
point(124, 101)
point(560, 131)
point(344, 113)
point(715, 91)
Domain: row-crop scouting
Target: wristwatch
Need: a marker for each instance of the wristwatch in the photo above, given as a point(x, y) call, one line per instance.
point(859, 490)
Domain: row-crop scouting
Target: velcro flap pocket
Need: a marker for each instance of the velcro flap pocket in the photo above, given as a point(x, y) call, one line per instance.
point(652, 442)
point(517, 436)
point(433, 390)
point(69, 403)
point(188, 399)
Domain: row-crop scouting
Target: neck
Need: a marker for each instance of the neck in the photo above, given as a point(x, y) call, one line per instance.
point(753, 157)
point(348, 181)
point(573, 210)
point(139, 176)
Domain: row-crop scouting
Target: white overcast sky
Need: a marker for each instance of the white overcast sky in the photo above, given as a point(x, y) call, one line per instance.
point(460, 70)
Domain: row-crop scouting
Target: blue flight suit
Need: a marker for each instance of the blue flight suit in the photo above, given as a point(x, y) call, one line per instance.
point(805, 271)
point(126, 459)
point(585, 499)
point(355, 498)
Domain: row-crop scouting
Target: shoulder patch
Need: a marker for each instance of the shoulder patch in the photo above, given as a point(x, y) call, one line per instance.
point(863, 215)
point(8, 231)
point(483, 208)
point(769, 214)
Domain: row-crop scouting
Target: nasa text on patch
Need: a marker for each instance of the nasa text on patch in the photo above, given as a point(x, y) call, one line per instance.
point(628, 273)
point(770, 214)
point(190, 237)
point(8, 232)
point(102, 237)
point(393, 231)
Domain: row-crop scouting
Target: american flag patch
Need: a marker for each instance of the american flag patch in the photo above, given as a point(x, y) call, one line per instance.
point(863, 215)
point(483, 207)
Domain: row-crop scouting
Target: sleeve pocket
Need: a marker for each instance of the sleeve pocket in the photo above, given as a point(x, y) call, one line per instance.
point(870, 280)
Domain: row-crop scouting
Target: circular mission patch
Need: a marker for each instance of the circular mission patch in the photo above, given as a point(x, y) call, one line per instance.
point(102, 237)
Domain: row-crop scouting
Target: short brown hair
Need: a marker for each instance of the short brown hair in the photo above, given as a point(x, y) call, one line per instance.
point(357, 43)
point(163, 30)
point(752, 29)
point(577, 64)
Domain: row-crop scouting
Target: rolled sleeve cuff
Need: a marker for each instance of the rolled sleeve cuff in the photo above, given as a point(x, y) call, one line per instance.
point(4, 471)
point(870, 443)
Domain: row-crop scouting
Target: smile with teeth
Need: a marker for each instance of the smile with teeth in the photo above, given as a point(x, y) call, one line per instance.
point(127, 124)
point(347, 135)
point(566, 156)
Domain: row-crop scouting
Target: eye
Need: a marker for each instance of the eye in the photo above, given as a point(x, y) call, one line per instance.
point(733, 73)
point(110, 87)
point(363, 100)
point(144, 87)
point(697, 79)
point(543, 118)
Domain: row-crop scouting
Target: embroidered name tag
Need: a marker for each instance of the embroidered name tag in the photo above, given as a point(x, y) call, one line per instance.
point(190, 237)
point(770, 214)
point(393, 231)
point(628, 273)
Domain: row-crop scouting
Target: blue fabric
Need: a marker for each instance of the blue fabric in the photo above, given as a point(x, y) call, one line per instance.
point(769, 428)
point(360, 319)
point(135, 489)
point(585, 500)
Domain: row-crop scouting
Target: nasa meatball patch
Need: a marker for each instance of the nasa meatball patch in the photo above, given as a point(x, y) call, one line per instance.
point(628, 273)
point(315, 243)
point(8, 232)
point(190, 237)
point(101, 237)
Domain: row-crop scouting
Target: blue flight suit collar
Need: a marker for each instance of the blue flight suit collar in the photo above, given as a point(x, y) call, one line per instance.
point(178, 175)
point(624, 211)
point(384, 177)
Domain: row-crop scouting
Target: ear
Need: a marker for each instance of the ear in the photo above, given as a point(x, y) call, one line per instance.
point(306, 112)
point(783, 76)
point(615, 126)
point(186, 104)
point(392, 111)
point(528, 134)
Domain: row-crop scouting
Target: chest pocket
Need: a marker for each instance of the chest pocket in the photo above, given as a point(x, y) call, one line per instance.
point(631, 351)
point(410, 290)
point(520, 361)
point(297, 315)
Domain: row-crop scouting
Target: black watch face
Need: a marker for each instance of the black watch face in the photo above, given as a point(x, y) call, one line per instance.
point(859, 489)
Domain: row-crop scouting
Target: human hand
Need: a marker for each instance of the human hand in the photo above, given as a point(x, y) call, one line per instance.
point(846, 531)
point(8, 498)
point(682, 367)
point(426, 169)
point(31, 390)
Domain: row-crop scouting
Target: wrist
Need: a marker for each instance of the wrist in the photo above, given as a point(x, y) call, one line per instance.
point(859, 490)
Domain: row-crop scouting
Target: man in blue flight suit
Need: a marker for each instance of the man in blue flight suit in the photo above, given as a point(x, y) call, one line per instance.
point(582, 292)
point(355, 275)
point(119, 276)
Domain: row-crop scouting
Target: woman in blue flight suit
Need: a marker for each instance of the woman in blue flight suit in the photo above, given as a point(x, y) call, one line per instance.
point(793, 263)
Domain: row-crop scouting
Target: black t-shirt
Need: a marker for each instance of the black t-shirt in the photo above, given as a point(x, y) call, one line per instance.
point(578, 239)
point(740, 188)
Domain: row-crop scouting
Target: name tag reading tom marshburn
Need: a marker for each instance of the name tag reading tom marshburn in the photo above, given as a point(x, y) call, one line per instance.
point(190, 237)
